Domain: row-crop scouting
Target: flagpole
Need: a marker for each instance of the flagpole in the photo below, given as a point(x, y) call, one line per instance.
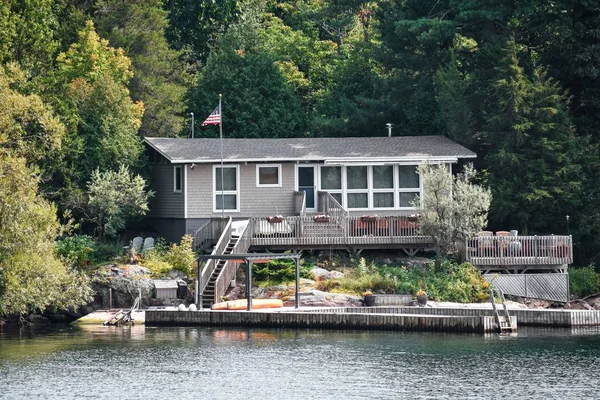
point(221, 141)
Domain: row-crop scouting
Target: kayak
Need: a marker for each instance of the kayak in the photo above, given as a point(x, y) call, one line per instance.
point(243, 304)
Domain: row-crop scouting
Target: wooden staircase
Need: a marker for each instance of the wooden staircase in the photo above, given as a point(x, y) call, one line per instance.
point(208, 295)
point(502, 321)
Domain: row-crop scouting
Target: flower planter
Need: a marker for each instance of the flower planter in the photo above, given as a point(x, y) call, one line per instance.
point(369, 300)
point(368, 218)
point(322, 218)
point(275, 219)
point(422, 300)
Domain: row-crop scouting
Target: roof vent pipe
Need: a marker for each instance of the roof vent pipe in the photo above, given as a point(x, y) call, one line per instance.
point(389, 128)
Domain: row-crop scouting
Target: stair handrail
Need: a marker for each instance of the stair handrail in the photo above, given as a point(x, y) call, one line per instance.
point(203, 235)
point(300, 202)
point(211, 265)
point(230, 267)
point(329, 205)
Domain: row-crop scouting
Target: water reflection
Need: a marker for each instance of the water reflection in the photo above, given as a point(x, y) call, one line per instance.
point(266, 363)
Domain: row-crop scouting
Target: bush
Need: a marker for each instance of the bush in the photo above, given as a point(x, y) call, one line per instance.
point(182, 257)
point(461, 283)
point(77, 251)
point(163, 258)
point(106, 251)
point(278, 271)
point(583, 281)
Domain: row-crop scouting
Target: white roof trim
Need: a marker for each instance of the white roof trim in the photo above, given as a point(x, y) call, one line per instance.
point(396, 160)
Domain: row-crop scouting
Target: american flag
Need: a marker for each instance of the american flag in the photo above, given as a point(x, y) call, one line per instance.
point(214, 118)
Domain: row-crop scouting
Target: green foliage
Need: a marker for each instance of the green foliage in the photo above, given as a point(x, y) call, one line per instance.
point(112, 199)
point(32, 277)
point(92, 92)
point(583, 281)
point(452, 209)
point(138, 27)
point(77, 250)
point(279, 271)
point(461, 283)
point(107, 251)
point(163, 258)
point(182, 257)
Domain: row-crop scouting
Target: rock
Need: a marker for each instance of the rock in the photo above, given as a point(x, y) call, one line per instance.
point(126, 283)
point(575, 305)
point(321, 274)
point(175, 274)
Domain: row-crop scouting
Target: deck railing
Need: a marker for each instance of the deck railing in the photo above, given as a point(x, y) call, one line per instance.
point(211, 265)
point(300, 203)
point(203, 236)
point(520, 250)
point(349, 230)
point(329, 205)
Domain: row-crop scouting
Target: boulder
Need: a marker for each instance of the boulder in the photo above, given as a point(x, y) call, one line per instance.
point(126, 282)
point(321, 274)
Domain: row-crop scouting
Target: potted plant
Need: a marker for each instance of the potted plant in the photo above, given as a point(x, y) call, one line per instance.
point(422, 298)
point(368, 298)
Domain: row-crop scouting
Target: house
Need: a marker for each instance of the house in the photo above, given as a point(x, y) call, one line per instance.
point(262, 177)
point(322, 193)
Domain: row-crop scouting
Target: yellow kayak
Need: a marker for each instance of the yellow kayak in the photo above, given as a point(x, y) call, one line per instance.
point(243, 304)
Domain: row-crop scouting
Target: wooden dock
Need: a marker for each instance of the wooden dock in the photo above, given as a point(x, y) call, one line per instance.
point(326, 320)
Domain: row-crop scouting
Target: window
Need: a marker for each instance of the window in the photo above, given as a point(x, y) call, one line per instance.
point(331, 181)
point(357, 184)
point(177, 179)
point(383, 186)
point(268, 175)
point(228, 198)
point(408, 185)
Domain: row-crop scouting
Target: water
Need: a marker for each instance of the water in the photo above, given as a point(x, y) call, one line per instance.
point(204, 363)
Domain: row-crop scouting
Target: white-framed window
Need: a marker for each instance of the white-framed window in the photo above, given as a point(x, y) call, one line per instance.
point(268, 175)
point(177, 179)
point(383, 186)
point(357, 187)
point(227, 199)
point(409, 186)
point(331, 181)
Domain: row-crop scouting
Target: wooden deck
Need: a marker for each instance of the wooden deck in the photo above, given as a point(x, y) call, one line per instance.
point(520, 252)
point(339, 232)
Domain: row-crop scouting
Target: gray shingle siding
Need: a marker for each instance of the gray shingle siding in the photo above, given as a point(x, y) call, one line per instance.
point(254, 201)
point(165, 203)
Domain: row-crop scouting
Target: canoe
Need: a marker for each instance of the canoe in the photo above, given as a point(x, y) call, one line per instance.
point(243, 304)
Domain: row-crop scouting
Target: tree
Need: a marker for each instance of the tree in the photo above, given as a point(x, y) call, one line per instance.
point(28, 126)
point(258, 100)
point(113, 198)
point(138, 27)
point(452, 209)
point(103, 120)
point(32, 277)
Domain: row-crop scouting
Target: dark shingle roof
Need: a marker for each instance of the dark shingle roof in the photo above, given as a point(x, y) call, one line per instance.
point(313, 149)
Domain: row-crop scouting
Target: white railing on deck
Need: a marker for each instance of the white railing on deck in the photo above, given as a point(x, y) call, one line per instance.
point(211, 265)
point(520, 250)
point(349, 230)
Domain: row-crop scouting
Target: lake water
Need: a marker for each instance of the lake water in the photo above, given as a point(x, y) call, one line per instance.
point(204, 363)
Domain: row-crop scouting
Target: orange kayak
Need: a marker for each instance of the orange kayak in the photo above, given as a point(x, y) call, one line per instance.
point(243, 304)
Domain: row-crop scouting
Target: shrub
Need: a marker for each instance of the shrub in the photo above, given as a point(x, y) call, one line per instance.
point(280, 270)
point(583, 281)
point(77, 251)
point(182, 257)
point(107, 251)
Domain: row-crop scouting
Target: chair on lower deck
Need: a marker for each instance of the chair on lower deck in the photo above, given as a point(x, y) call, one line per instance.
point(485, 243)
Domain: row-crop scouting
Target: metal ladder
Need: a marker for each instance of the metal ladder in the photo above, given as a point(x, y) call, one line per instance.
point(503, 321)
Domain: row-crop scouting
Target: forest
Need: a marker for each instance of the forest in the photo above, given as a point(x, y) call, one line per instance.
point(83, 81)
